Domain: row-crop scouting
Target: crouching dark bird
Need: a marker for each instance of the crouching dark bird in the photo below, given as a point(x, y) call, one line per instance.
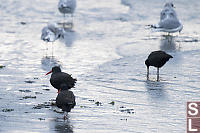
point(59, 78)
point(156, 59)
point(65, 99)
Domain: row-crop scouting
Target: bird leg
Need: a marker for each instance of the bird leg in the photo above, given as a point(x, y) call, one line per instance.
point(168, 40)
point(65, 116)
point(72, 23)
point(46, 49)
point(157, 74)
point(59, 91)
point(52, 49)
point(171, 39)
point(64, 21)
point(147, 73)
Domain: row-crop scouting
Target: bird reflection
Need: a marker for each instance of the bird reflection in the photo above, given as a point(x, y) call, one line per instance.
point(68, 37)
point(63, 126)
point(48, 62)
point(155, 89)
point(168, 43)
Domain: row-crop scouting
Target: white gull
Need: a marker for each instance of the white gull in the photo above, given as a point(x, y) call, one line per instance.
point(169, 21)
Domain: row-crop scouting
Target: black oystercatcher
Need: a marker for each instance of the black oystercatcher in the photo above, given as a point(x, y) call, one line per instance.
point(157, 59)
point(59, 78)
point(65, 99)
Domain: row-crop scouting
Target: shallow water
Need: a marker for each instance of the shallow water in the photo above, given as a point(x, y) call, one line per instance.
point(105, 51)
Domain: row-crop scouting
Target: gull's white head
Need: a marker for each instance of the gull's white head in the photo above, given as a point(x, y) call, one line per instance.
point(169, 5)
point(166, 14)
point(51, 32)
point(67, 6)
point(63, 3)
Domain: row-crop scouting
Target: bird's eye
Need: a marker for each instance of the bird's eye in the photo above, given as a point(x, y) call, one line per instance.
point(171, 14)
point(163, 14)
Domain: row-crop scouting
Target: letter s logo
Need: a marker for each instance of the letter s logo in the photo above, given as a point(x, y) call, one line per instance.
point(192, 106)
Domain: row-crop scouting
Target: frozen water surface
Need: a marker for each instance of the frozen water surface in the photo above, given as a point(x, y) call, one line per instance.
point(105, 51)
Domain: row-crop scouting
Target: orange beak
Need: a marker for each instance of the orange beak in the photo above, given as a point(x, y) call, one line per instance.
point(48, 72)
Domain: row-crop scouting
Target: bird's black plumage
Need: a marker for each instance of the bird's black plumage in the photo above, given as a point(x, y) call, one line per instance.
point(65, 100)
point(157, 59)
point(58, 78)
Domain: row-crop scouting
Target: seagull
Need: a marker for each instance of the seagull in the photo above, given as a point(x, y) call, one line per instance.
point(156, 59)
point(67, 7)
point(169, 5)
point(169, 21)
point(59, 78)
point(65, 99)
point(50, 33)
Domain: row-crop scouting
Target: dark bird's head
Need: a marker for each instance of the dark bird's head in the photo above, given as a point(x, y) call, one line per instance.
point(147, 63)
point(55, 69)
point(170, 56)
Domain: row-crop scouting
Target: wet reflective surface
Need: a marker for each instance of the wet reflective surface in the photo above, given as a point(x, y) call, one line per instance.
point(105, 51)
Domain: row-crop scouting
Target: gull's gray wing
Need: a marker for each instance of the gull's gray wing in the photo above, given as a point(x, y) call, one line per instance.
point(169, 23)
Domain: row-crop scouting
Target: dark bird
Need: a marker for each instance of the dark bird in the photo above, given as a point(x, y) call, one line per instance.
point(156, 59)
point(65, 99)
point(59, 78)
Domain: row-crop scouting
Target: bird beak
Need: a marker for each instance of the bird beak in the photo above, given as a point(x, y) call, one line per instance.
point(167, 16)
point(48, 72)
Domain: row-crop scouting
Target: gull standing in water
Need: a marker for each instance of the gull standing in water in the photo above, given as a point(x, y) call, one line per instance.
point(67, 7)
point(50, 33)
point(169, 21)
